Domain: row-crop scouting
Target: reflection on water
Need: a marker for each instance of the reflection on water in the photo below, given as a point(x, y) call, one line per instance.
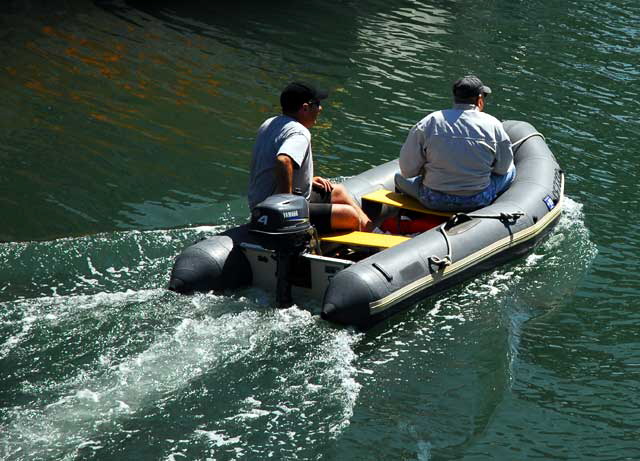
point(110, 113)
point(120, 104)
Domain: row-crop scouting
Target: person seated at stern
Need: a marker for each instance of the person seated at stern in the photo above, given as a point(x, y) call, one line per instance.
point(282, 163)
point(457, 159)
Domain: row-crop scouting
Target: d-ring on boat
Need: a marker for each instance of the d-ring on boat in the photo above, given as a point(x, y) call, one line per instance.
point(362, 278)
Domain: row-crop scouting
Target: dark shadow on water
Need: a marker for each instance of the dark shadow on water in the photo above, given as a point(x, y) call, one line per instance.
point(243, 18)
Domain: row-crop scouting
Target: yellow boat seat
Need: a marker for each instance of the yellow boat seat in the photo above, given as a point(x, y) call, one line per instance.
point(400, 200)
point(367, 239)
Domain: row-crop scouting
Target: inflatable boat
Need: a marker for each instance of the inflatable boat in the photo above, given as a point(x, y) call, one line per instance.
point(361, 278)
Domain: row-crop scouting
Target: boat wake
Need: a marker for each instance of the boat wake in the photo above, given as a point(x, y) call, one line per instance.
point(88, 367)
point(456, 356)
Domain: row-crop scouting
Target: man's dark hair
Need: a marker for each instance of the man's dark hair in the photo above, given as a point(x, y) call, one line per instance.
point(297, 93)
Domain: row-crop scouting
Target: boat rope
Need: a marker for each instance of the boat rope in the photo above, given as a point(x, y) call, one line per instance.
point(504, 217)
point(516, 145)
point(448, 259)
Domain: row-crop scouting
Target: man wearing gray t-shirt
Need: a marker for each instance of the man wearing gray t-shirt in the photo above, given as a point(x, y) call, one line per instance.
point(282, 163)
point(457, 159)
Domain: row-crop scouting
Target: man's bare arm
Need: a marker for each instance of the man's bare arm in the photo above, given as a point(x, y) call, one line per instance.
point(284, 174)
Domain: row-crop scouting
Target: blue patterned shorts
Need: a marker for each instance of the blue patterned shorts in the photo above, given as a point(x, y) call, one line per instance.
point(436, 200)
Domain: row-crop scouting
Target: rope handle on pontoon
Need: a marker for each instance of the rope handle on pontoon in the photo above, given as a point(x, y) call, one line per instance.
point(516, 145)
point(448, 258)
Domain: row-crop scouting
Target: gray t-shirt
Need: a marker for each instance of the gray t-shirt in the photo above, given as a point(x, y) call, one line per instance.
point(456, 150)
point(280, 135)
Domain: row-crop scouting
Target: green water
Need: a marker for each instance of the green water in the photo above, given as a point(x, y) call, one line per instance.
point(125, 135)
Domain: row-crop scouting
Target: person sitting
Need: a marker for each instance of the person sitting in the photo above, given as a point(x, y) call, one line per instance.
point(457, 159)
point(282, 163)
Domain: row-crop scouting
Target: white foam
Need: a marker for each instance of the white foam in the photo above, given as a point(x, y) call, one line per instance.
point(87, 394)
point(92, 269)
point(53, 310)
point(114, 388)
point(14, 341)
point(217, 438)
point(424, 450)
point(253, 414)
point(123, 388)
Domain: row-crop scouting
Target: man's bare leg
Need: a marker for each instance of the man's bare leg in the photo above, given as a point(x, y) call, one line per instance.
point(340, 196)
point(344, 217)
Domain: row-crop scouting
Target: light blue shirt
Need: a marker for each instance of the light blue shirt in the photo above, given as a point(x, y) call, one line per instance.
point(280, 135)
point(456, 150)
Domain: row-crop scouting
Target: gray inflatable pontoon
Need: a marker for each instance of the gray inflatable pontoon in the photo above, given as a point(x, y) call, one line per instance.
point(362, 278)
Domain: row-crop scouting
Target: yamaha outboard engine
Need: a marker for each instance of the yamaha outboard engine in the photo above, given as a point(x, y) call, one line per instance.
point(281, 223)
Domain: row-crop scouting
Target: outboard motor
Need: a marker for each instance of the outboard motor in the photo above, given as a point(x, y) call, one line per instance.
point(281, 223)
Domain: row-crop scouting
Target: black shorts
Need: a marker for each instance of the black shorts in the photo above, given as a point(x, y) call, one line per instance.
point(320, 210)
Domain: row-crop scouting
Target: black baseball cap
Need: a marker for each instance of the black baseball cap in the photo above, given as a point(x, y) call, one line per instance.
point(297, 93)
point(469, 88)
